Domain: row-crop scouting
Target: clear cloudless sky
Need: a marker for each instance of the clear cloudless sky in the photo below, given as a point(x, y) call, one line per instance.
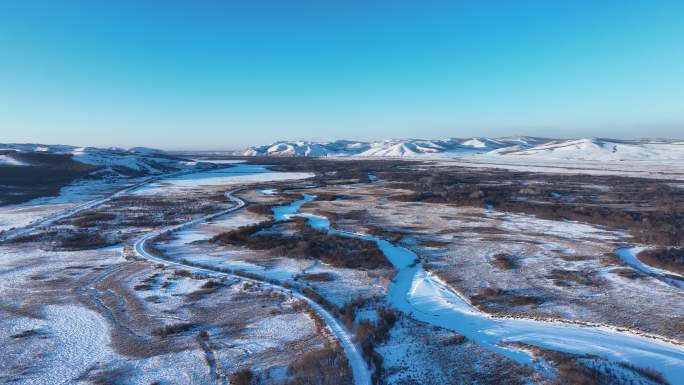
point(226, 74)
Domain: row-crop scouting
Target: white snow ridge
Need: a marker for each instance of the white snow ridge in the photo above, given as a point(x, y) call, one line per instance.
point(594, 149)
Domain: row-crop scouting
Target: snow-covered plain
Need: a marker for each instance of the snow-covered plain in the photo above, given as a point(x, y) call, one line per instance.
point(78, 193)
point(419, 294)
point(79, 338)
point(359, 368)
point(570, 274)
point(414, 291)
point(23, 215)
point(72, 199)
point(347, 285)
point(673, 170)
point(75, 344)
point(238, 174)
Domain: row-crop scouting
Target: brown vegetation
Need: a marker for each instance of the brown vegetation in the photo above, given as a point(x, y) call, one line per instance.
point(171, 329)
point(571, 369)
point(335, 250)
point(455, 339)
point(317, 277)
point(504, 261)
point(209, 287)
point(242, 377)
point(648, 373)
point(326, 366)
point(83, 240)
point(587, 278)
point(262, 209)
point(492, 298)
point(91, 219)
point(651, 210)
point(45, 176)
point(372, 333)
point(668, 258)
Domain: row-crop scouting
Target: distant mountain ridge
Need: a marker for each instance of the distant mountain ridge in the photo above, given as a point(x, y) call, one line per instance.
point(31, 171)
point(135, 161)
point(598, 149)
point(389, 148)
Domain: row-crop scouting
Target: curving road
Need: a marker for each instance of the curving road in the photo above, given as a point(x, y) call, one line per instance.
point(51, 219)
point(356, 362)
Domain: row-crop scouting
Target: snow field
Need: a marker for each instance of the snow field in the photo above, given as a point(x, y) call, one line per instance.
point(417, 293)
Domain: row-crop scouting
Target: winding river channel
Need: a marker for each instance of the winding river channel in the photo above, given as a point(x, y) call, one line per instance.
point(423, 296)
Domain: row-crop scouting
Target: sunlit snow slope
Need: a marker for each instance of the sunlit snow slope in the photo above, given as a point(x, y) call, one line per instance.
point(595, 149)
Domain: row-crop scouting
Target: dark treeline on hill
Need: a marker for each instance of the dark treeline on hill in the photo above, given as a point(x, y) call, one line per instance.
point(307, 243)
point(44, 175)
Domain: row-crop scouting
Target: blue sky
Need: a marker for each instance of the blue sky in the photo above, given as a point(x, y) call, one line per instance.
point(226, 74)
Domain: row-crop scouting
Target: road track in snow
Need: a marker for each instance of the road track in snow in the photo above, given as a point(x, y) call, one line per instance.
point(52, 218)
point(356, 361)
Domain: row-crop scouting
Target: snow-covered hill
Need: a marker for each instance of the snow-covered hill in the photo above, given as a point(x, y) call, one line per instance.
point(304, 148)
point(596, 149)
point(390, 148)
point(131, 162)
point(69, 173)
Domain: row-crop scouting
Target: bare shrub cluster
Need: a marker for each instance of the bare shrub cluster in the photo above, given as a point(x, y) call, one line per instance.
point(562, 277)
point(491, 299)
point(670, 258)
point(335, 250)
point(504, 261)
point(326, 366)
point(373, 333)
point(171, 329)
point(83, 240)
point(242, 377)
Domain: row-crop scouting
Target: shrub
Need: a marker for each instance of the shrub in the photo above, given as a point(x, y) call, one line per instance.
point(327, 366)
point(83, 240)
point(372, 333)
point(170, 329)
point(455, 339)
point(242, 377)
point(318, 277)
point(92, 218)
point(335, 250)
point(504, 261)
point(671, 258)
point(587, 278)
point(497, 296)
